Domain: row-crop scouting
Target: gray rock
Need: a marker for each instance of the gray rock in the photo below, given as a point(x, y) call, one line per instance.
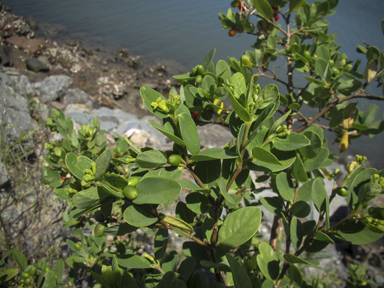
point(6, 80)
point(14, 112)
point(4, 178)
point(76, 96)
point(44, 112)
point(36, 65)
point(79, 113)
point(112, 115)
point(52, 87)
point(25, 87)
point(213, 136)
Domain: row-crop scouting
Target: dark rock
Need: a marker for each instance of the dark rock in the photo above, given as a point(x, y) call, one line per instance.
point(32, 45)
point(32, 23)
point(53, 87)
point(35, 65)
point(3, 55)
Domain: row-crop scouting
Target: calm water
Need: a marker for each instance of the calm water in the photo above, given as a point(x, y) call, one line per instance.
point(187, 32)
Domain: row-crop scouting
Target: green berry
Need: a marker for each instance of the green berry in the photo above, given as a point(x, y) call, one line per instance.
point(133, 181)
point(78, 246)
point(200, 69)
point(32, 271)
point(348, 67)
point(24, 275)
point(335, 71)
point(46, 269)
point(174, 160)
point(307, 54)
point(99, 229)
point(343, 192)
point(27, 281)
point(331, 63)
point(130, 192)
point(199, 79)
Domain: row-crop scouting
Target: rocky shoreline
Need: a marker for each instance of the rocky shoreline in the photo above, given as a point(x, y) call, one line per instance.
point(38, 74)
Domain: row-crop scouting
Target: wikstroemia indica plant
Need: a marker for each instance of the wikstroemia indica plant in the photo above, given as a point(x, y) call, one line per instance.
point(116, 191)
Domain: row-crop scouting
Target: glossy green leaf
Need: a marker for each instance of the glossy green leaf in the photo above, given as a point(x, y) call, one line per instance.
point(167, 133)
point(115, 180)
point(189, 133)
point(223, 70)
point(323, 237)
point(198, 203)
point(240, 139)
point(208, 172)
point(199, 279)
point(149, 95)
point(286, 158)
point(161, 243)
point(273, 205)
point(8, 274)
point(19, 258)
point(317, 161)
point(77, 164)
point(139, 216)
point(268, 261)
point(294, 259)
point(263, 8)
point(89, 198)
point(322, 70)
point(191, 186)
point(295, 275)
point(323, 53)
point(156, 190)
point(356, 233)
point(223, 190)
point(240, 276)
point(208, 59)
point(151, 159)
point(214, 153)
point(298, 170)
point(296, 232)
point(301, 209)
point(285, 186)
point(304, 193)
point(313, 149)
point(49, 279)
point(102, 164)
point(186, 268)
point(370, 114)
point(291, 142)
point(119, 229)
point(184, 213)
point(239, 89)
point(320, 198)
point(295, 5)
point(239, 226)
point(265, 156)
point(134, 262)
point(176, 222)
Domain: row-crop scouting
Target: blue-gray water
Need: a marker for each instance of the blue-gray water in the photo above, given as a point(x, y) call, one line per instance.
point(187, 30)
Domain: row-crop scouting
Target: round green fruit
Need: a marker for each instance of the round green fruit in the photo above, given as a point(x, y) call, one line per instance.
point(78, 246)
point(331, 63)
point(343, 62)
point(193, 71)
point(200, 69)
point(174, 160)
point(235, 3)
point(24, 275)
point(46, 269)
point(130, 192)
point(348, 67)
point(32, 271)
point(99, 229)
point(307, 55)
point(133, 181)
point(27, 281)
point(98, 215)
point(343, 192)
point(199, 79)
point(335, 71)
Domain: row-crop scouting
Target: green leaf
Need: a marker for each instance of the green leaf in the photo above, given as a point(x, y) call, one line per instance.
point(263, 8)
point(134, 262)
point(119, 229)
point(265, 156)
point(167, 133)
point(322, 70)
point(102, 164)
point(323, 53)
point(298, 170)
point(301, 209)
point(161, 242)
point(50, 279)
point(318, 161)
point(238, 82)
point(294, 259)
point(189, 133)
point(285, 186)
point(59, 269)
point(314, 80)
point(176, 222)
point(370, 71)
point(8, 274)
point(139, 216)
point(208, 172)
point(19, 258)
point(313, 149)
point(320, 198)
point(89, 198)
point(218, 266)
point(268, 261)
point(156, 190)
point(151, 159)
point(77, 164)
point(356, 233)
point(295, 5)
point(149, 95)
point(198, 203)
point(214, 153)
point(323, 237)
point(295, 275)
point(291, 142)
point(199, 279)
point(113, 191)
point(208, 59)
point(223, 70)
point(286, 158)
point(273, 205)
point(191, 186)
point(240, 276)
point(186, 268)
point(239, 226)
point(223, 191)
point(278, 122)
point(370, 114)
point(296, 232)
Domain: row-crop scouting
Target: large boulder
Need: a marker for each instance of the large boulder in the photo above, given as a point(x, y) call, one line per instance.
point(53, 87)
